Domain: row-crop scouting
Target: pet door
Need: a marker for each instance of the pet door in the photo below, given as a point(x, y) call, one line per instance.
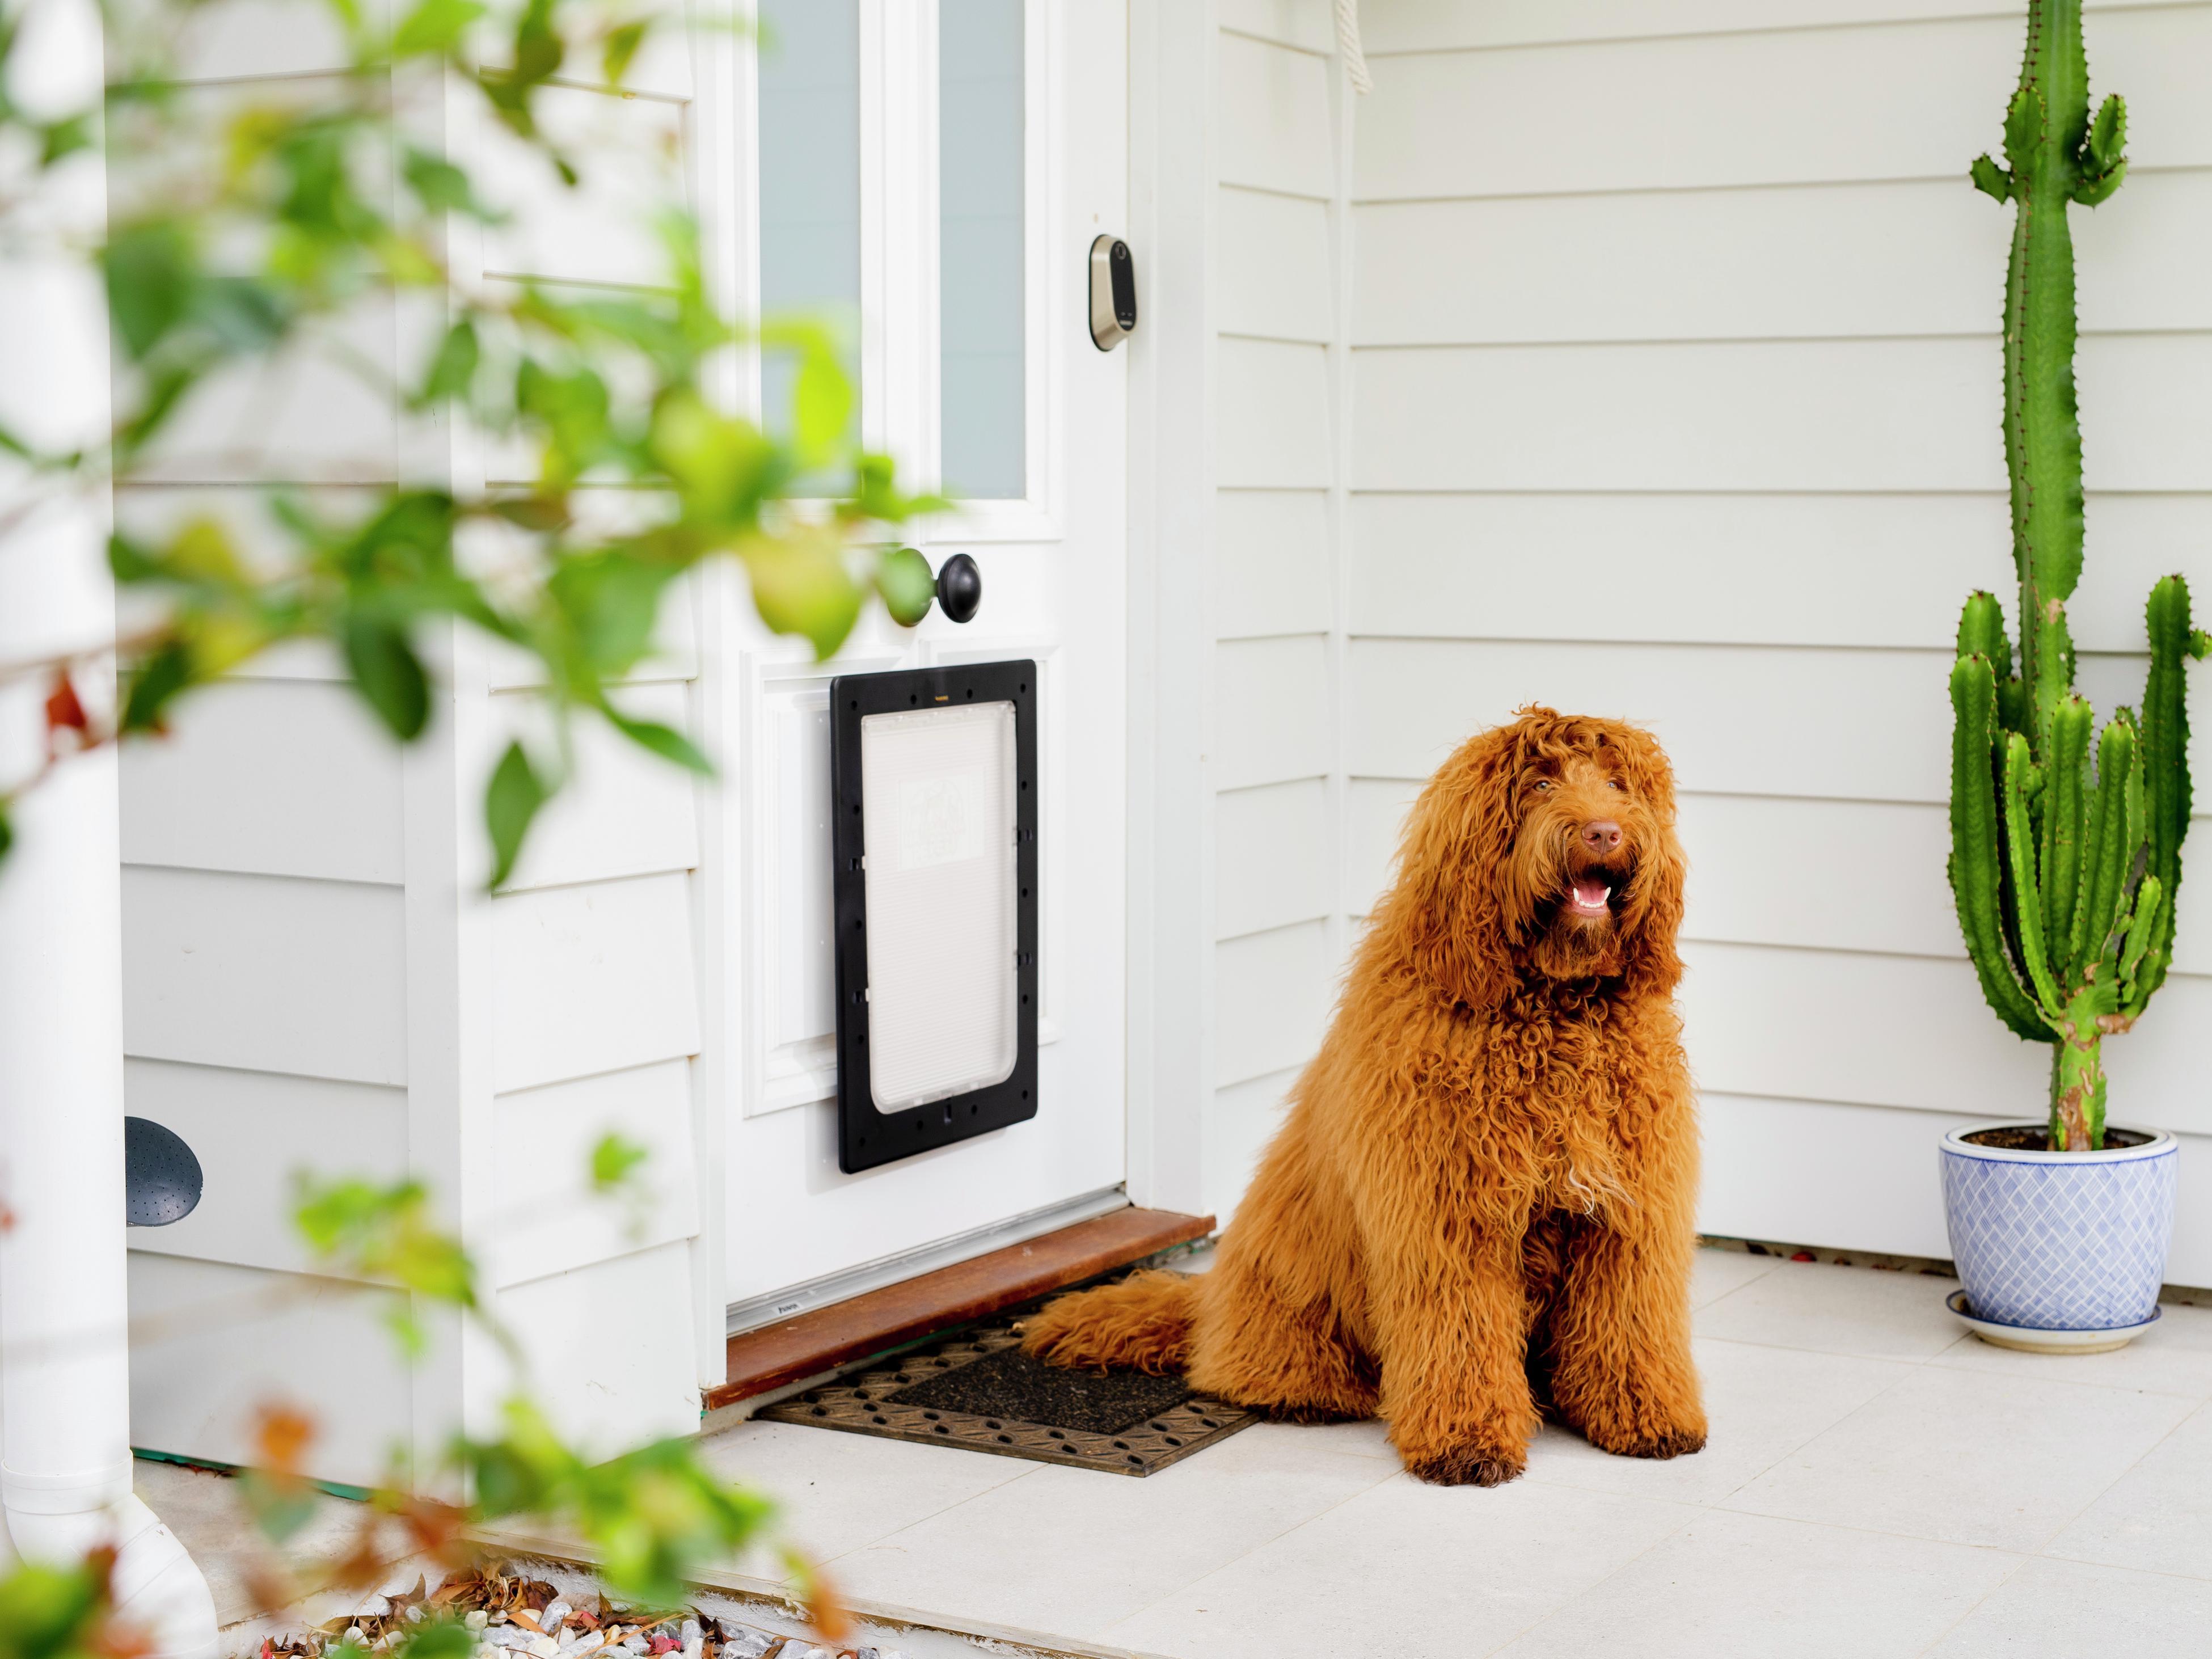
point(935, 851)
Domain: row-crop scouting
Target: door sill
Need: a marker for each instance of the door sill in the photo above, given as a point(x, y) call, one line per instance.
point(809, 1344)
point(811, 1294)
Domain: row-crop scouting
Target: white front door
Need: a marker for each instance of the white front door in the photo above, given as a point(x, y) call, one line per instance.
point(935, 172)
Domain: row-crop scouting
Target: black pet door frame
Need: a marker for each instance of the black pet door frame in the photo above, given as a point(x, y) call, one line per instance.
point(934, 854)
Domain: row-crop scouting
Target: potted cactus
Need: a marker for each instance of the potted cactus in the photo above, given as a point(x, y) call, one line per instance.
point(2065, 853)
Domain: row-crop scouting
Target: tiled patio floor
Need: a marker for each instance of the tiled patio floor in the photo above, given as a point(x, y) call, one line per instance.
point(1878, 1483)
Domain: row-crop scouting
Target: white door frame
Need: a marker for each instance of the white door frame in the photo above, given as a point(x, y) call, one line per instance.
point(1171, 404)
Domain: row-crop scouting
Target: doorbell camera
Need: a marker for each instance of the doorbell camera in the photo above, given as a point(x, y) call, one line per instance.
point(1113, 293)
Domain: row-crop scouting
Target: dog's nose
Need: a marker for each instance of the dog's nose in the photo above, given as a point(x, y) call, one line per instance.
point(1602, 835)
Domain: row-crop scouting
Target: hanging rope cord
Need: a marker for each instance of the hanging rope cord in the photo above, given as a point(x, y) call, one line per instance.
point(1348, 47)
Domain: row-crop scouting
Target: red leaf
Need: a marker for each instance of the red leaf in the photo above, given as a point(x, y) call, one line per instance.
point(62, 709)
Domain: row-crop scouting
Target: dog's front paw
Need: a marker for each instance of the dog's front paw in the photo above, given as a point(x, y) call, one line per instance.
point(1465, 1466)
point(1651, 1443)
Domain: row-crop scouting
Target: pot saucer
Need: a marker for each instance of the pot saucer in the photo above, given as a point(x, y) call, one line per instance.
point(2028, 1339)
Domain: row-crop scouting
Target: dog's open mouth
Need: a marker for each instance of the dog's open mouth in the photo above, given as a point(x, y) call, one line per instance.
point(1593, 895)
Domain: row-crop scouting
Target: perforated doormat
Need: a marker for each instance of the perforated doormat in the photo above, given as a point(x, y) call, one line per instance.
point(977, 1389)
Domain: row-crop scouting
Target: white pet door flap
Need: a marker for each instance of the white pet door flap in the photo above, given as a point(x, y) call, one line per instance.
point(936, 855)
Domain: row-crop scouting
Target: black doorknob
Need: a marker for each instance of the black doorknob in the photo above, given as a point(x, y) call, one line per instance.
point(959, 587)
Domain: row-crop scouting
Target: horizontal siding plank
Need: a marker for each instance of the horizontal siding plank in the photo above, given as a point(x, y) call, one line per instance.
point(1844, 875)
point(1840, 416)
point(1859, 725)
point(1273, 128)
point(1306, 24)
point(1240, 1120)
point(1272, 720)
point(1865, 1178)
point(1272, 571)
point(629, 153)
point(606, 1397)
point(1737, 569)
point(1272, 428)
point(253, 1133)
point(625, 813)
point(1374, 812)
point(265, 973)
point(1883, 258)
point(554, 1221)
point(1407, 26)
point(212, 1344)
point(318, 413)
point(1270, 857)
point(1813, 1172)
point(1917, 100)
point(1914, 1032)
point(288, 778)
point(1272, 994)
point(1741, 721)
point(1273, 272)
point(592, 979)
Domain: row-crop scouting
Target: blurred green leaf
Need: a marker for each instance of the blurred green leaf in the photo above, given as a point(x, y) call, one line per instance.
point(801, 585)
point(64, 138)
point(155, 684)
point(384, 1232)
point(434, 26)
point(454, 368)
point(907, 586)
point(150, 268)
point(665, 741)
point(821, 406)
point(388, 672)
point(511, 801)
point(621, 44)
point(614, 1160)
point(441, 187)
point(438, 1638)
point(47, 1612)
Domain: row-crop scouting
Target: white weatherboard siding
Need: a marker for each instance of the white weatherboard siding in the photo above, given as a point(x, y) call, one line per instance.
point(1277, 315)
point(312, 982)
point(1675, 396)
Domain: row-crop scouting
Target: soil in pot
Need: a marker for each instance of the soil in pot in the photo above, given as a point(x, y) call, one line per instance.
point(2021, 1138)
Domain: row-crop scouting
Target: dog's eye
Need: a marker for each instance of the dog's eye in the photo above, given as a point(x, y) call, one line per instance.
point(1615, 783)
point(1543, 783)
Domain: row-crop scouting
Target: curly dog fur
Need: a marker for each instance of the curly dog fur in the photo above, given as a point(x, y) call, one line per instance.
point(1478, 1206)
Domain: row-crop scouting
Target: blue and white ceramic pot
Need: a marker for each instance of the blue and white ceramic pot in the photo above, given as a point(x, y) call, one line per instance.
point(2059, 1251)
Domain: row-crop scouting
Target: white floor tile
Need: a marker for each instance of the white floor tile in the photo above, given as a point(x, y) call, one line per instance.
point(2174, 1357)
point(1743, 1584)
point(1069, 1551)
point(1966, 1457)
point(1832, 1309)
point(1369, 1439)
point(1761, 1404)
point(837, 1491)
point(1405, 1570)
point(2158, 1516)
point(2066, 1608)
point(1716, 1272)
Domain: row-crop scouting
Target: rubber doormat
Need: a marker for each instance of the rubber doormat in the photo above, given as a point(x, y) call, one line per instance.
point(978, 1390)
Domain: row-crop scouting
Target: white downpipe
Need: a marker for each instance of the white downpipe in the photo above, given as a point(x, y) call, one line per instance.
point(66, 1465)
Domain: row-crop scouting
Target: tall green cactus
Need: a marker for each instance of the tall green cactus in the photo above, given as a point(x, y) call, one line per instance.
point(2064, 866)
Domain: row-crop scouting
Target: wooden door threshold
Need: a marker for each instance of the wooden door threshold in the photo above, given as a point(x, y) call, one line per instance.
point(819, 1340)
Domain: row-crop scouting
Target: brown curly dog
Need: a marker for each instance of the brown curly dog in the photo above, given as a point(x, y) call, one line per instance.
point(1479, 1204)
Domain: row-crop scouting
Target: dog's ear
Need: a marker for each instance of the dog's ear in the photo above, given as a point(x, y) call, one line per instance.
point(1451, 910)
point(1653, 915)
